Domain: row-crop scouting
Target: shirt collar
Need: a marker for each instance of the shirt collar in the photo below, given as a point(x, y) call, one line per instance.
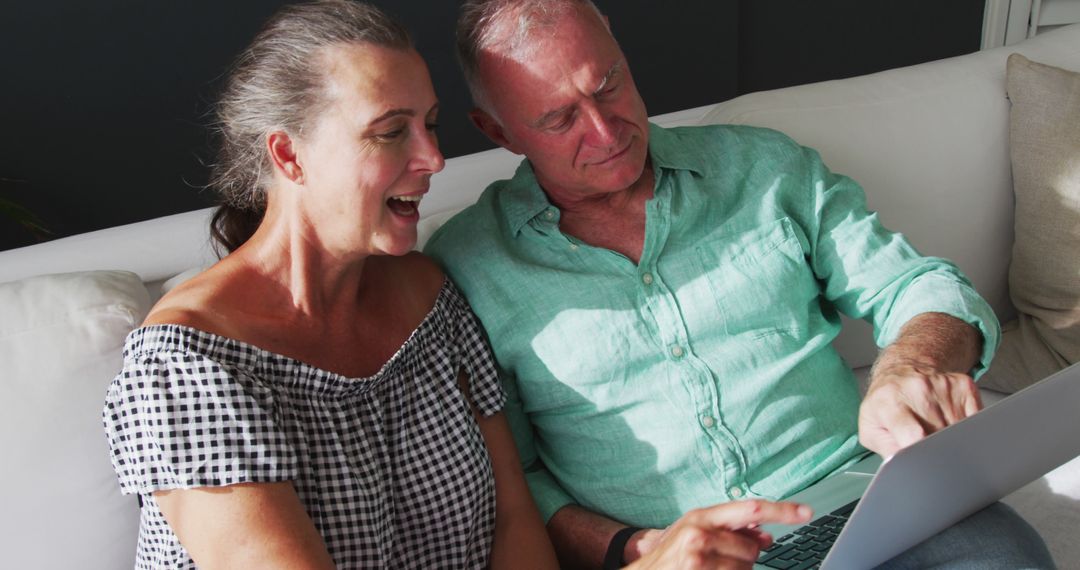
point(525, 199)
point(669, 152)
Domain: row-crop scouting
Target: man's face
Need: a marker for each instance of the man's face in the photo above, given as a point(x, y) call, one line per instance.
point(570, 105)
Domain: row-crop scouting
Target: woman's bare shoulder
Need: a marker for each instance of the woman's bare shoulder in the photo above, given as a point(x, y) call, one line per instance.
point(420, 272)
point(193, 303)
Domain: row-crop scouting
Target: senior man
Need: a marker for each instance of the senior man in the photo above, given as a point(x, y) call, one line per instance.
point(662, 305)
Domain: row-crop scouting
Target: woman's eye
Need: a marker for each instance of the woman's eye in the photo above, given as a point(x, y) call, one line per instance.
point(389, 135)
point(432, 126)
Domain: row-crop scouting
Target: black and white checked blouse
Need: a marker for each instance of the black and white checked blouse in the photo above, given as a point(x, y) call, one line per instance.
point(392, 469)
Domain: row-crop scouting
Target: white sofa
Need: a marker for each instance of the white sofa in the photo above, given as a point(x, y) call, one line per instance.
point(929, 143)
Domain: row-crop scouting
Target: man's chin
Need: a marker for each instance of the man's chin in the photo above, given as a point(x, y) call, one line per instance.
point(613, 182)
point(627, 173)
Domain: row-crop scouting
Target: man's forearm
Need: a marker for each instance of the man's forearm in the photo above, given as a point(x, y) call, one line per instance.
point(581, 537)
point(940, 341)
point(920, 383)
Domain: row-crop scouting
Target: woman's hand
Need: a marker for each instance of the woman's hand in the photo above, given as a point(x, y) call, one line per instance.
point(722, 536)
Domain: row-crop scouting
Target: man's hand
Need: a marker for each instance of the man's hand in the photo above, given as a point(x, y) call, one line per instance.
point(908, 401)
point(920, 384)
point(722, 536)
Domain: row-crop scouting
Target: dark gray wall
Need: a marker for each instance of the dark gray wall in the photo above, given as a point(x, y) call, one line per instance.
point(791, 42)
point(104, 104)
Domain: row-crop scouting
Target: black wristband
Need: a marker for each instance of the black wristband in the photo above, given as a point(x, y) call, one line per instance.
point(613, 559)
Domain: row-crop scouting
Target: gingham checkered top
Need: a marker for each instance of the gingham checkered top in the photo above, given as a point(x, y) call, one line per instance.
point(392, 469)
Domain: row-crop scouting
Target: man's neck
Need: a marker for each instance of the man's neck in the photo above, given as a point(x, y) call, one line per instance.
point(614, 221)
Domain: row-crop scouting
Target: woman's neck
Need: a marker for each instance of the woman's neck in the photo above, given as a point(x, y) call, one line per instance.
point(288, 250)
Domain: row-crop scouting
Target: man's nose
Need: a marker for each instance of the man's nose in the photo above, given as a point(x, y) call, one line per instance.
point(603, 130)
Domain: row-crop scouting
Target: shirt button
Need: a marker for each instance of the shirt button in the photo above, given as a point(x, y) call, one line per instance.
point(549, 215)
point(707, 421)
point(676, 351)
point(735, 492)
point(647, 278)
point(573, 247)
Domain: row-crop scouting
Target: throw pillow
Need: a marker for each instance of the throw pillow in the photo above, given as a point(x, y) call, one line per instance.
point(1044, 275)
point(179, 278)
point(61, 338)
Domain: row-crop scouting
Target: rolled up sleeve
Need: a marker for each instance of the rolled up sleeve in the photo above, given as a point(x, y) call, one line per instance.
point(875, 274)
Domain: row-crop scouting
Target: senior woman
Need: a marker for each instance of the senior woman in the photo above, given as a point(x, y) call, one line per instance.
point(322, 395)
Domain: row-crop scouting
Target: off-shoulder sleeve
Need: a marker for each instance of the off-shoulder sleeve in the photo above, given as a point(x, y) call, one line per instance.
point(474, 354)
point(178, 420)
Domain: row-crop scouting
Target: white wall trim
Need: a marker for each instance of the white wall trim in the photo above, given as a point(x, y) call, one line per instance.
point(995, 23)
point(1059, 12)
point(1033, 19)
point(1019, 17)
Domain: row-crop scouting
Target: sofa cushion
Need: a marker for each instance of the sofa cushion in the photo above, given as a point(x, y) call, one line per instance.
point(61, 338)
point(929, 144)
point(1044, 276)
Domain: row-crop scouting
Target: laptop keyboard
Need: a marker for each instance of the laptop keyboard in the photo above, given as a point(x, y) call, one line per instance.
point(806, 547)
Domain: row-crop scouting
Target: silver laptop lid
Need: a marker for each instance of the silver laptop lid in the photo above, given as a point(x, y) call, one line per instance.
point(957, 471)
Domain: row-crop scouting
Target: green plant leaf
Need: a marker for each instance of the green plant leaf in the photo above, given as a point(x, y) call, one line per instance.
point(23, 217)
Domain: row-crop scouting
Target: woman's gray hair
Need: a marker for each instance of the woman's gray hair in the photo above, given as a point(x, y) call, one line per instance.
point(278, 83)
point(507, 25)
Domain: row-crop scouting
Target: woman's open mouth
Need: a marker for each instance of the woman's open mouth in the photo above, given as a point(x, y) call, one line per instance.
point(406, 206)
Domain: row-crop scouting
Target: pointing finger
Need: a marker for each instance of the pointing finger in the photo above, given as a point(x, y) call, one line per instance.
point(743, 514)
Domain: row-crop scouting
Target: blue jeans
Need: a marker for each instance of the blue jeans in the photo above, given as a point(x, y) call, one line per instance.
point(995, 537)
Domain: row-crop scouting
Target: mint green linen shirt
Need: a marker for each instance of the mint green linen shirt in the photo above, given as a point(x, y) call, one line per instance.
point(705, 372)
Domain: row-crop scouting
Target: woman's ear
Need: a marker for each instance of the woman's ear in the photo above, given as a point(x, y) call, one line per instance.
point(283, 155)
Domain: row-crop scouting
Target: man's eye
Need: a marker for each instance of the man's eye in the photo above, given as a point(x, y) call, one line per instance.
point(562, 124)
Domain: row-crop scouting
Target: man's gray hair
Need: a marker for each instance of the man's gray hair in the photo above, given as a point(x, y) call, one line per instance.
point(506, 25)
point(278, 83)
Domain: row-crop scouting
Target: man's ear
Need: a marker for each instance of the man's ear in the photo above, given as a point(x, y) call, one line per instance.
point(283, 155)
point(491, 129)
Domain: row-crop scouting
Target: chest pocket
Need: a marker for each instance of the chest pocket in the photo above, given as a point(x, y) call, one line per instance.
point(760, 280)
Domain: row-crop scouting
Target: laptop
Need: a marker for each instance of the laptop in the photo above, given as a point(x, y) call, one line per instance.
point(874, 510)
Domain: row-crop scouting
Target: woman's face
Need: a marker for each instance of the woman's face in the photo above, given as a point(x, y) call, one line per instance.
point(372, 151)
